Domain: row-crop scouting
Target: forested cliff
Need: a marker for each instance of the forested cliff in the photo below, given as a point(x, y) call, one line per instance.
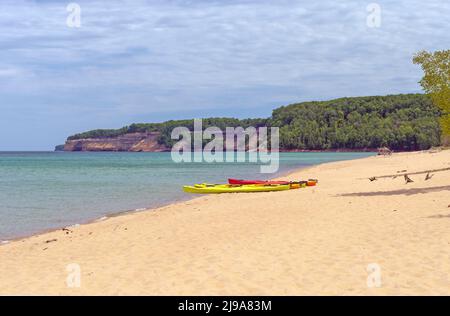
point(401, 122)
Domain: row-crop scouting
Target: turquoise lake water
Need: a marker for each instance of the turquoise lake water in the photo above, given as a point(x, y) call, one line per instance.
point(47, 190)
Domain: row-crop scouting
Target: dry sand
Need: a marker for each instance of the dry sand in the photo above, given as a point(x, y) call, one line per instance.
point(309, 241)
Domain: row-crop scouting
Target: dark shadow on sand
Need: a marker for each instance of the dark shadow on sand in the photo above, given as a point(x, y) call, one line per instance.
point(439, 216)
point(400, 192)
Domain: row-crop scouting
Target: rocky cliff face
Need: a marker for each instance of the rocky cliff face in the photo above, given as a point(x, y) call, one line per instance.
point(128, 142)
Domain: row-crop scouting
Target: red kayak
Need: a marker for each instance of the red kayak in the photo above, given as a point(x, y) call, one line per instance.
point(310, 182)
point(237, 181)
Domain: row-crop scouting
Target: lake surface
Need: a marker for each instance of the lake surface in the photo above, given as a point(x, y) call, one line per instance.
point(47, 190)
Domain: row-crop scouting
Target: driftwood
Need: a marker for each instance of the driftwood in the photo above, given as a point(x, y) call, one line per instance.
point(384, 151)
point(408, 179)
point(406, 174)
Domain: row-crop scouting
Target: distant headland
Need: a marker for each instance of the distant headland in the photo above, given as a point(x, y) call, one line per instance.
point(402, 122)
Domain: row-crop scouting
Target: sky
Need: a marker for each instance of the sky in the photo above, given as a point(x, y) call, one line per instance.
point(153, 60)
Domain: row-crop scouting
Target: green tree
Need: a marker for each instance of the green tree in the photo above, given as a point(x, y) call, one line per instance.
point(436, 83)
point(401, 122)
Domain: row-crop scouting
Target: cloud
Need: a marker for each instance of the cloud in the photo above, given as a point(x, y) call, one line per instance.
point(143, 59)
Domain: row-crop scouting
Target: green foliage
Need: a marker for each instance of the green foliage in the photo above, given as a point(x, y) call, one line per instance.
point(59, 148)
point(401, 122)
point(100, 133)
point(436, 83)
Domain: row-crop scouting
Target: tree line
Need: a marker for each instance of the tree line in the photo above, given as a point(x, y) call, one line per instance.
point(400, 122)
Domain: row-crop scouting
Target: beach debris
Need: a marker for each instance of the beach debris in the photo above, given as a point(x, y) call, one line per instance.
point(408, 174)
point(408, 179)
point(384, 151)
point(400, 171)
point(67, 231)
point(101, 219)
point(428, 176)
point(372, 179)
point(45, 248)
point(50, 240)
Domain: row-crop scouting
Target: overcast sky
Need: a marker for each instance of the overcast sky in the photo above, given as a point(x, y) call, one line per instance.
point(148, 61)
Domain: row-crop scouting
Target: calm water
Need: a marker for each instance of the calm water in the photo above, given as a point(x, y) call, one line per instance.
point(44, 190)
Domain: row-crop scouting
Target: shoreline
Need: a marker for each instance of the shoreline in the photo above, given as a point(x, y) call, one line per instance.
point(91, 221)
point(343, 150)
point(334, 150)
point(312, 241)
point(106, 216)
point(133, 211)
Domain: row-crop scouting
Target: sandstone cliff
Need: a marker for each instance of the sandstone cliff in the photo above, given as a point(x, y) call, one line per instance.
point(127, 142)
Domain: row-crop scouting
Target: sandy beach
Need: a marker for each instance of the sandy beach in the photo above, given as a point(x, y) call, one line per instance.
point(347, 236)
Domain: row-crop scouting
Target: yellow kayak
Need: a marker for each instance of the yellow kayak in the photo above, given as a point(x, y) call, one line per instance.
point(205, 188)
